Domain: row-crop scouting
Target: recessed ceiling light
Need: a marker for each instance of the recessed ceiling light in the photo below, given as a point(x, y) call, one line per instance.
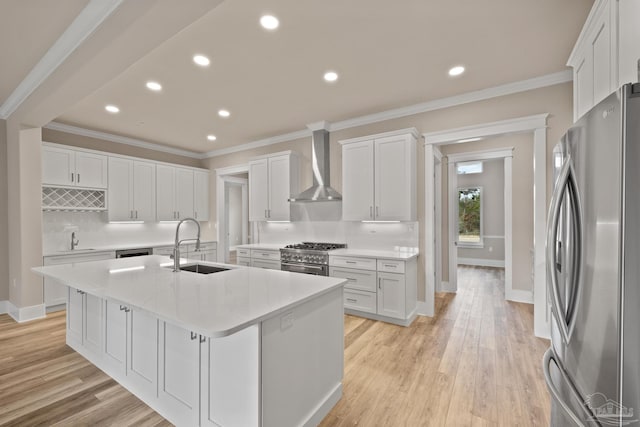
point(211, 137)
point(456, 71)
point(224, 113)
point(201, 60)
point(155, 86)
point(269, 22)
point(331, 76)
point(112, 109)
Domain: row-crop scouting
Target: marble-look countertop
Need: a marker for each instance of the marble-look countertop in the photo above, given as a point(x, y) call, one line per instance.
point(213, 305)
point(370, 253)
point(263, 246)
point(107, 248)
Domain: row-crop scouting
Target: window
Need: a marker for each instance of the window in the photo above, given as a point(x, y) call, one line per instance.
point(470, 217)
point(465, 168)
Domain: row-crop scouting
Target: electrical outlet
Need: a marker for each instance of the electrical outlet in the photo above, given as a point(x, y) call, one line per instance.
point(286, 321)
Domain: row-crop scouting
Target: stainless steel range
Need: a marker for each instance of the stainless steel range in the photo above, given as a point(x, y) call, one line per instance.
point(308, 257)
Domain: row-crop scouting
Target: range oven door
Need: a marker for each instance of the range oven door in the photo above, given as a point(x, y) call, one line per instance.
point(318, 270)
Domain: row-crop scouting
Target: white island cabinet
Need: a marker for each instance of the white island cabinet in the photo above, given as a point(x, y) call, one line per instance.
point(242, 347)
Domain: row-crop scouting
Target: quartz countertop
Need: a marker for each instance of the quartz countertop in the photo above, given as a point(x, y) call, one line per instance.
point(107, 248)
point(263, 246)
point(213, 305)
point(369, 253)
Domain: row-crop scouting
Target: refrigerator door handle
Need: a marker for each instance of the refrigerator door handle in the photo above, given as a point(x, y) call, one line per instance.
point(549, 356)
point(566, 180)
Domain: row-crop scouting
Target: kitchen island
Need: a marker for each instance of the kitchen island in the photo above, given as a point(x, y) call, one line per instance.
point(241, 347)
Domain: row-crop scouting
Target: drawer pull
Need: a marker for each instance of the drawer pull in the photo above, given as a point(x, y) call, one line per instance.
point(391, 265)
point(193, 336)
point(352, 300)
point(351, 262)
point(351, 280)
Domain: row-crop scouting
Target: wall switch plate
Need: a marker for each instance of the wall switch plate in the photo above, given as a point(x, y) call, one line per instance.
point(286, 321)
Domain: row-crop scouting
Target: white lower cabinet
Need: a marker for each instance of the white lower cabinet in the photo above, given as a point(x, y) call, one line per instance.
point(142, 354)
point(265, 258)
point(115, 337)
point(84, 321)
point(391, 295)
point(179, 373)
point(384, 289)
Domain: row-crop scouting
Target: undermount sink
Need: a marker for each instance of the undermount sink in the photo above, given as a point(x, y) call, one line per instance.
point(202, 268)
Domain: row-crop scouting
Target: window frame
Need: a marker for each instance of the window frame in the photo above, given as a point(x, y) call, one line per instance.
point(480, 243)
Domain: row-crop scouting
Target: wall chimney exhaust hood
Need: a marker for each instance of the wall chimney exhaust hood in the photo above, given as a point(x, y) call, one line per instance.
point(321, 190)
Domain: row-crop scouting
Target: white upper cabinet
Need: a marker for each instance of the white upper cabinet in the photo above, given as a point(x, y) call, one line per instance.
point(175, 193)
point(66, 167)
point(272, 180)
point(629, 43)
point(358, 181)
point(379, 177)
point(201, 195)
point(606, 54)
point(132, 190)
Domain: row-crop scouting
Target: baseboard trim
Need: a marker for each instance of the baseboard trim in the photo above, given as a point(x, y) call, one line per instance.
point(478, 262)
point(325, 407)
point(423, 310)
point(400, 322)
point(517, 295)
point(25, 314)
point(446, 287)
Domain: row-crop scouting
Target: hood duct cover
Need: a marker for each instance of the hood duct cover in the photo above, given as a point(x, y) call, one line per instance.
point(320, 191)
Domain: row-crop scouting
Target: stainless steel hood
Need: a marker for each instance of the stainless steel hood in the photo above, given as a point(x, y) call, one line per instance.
point(321, 190)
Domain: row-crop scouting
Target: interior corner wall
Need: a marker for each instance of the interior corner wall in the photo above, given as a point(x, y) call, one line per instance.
point(24, 214)
point(4, 206)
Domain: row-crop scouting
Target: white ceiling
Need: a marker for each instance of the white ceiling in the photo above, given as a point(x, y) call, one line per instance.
point(388, 54)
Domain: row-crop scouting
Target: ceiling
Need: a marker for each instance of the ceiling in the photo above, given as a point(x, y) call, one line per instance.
point(271, 81)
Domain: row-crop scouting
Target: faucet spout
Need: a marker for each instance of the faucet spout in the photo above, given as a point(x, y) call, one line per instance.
point(74, 241)
point(176, 247)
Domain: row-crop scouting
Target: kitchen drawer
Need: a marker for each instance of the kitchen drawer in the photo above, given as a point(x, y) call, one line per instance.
point(165, 250)
point(360, 300)
point(263, 263)
point(265, 254)
point(244, 253)
point(362, 280)
point(73, 258)
point(391, 266)
point(352, 262)
point(244, 261)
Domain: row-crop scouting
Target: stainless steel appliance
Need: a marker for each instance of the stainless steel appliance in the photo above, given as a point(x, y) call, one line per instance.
point(593, 268)
point(308, 257)
point(126, 253)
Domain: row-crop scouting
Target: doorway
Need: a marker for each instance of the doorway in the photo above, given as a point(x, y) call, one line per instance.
point(232, 208)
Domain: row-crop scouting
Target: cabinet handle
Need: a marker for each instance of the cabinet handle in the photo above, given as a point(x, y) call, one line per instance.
point(178, 215)
point(391, 265)
point(72, 178)
point(80, 292)
point(352, 300)
point(202, 339)
point(269, 210)
point(377, 211)
point(351, 262)
point(193, 336)
point(351, 280)
point(127, 309)
point(265, 214)
point(136, 214)
point(379, 282)
point(371, 212)
point(78, 178)
point(195, 215)
point(122, 307)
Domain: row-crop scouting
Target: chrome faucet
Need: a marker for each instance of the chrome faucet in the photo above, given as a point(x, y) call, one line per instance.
point(74, 241)
point(176, 247)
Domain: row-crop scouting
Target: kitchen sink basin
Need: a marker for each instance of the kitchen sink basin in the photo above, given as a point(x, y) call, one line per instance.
point(202, 268)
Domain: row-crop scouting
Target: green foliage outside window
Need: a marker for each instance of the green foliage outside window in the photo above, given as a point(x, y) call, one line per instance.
point(469, 215)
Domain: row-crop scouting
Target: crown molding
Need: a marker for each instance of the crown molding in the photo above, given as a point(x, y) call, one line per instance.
point(466, 98)
point(122, 140)
point(87, 21)
point(480, 95)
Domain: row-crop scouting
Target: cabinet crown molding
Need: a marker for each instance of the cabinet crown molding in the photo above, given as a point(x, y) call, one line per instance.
point(411, 131)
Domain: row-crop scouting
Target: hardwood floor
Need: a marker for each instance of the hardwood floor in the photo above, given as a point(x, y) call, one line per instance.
point(475, 363)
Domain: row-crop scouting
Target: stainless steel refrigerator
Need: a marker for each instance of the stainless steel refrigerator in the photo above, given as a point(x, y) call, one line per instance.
point(593, 268)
